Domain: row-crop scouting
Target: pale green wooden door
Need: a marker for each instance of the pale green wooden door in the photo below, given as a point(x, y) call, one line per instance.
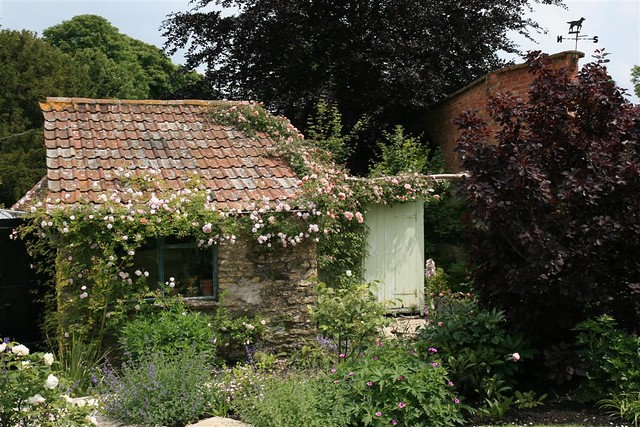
point(396, 254)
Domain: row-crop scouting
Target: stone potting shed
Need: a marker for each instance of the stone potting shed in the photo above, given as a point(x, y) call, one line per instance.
point(88, 140)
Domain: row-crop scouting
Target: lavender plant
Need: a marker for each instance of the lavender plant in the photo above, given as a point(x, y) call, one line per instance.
point(164, 389)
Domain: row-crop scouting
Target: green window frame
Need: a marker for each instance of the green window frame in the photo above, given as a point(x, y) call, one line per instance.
point(194, 270)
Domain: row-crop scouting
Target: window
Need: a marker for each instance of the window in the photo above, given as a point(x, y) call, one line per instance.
point(193, 269)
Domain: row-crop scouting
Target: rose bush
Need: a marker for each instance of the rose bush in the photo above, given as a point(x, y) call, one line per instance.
point(32, 394)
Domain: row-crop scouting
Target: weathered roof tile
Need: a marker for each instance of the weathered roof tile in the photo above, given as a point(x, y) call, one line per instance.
point(87, 139)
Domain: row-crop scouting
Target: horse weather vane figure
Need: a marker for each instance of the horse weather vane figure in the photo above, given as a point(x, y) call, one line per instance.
point(574, 28)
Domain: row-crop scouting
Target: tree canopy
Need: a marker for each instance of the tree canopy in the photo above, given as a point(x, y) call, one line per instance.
point(85, 57)
point(555, 202)
point(31, 70)
point(383, 59)
point(635, 79)
point(120, 66)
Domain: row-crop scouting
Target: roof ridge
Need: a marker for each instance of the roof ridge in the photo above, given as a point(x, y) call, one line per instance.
point(200, 102)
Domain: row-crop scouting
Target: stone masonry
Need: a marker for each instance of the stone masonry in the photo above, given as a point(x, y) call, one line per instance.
point(275, 283)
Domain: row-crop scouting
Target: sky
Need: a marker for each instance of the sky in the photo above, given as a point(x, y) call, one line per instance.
point(615, 22)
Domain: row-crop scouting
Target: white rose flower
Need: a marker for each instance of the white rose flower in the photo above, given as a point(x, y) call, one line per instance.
point(34, 400)
point(92, 420)
point(515, 357)
point(52, 382)
point(3, 346)
point(48, 359)
point(20, 350)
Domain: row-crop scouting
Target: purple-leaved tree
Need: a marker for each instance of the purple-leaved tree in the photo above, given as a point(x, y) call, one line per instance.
point(554, 201)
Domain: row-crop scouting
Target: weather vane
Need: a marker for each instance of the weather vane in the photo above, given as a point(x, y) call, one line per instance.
point(574, 28)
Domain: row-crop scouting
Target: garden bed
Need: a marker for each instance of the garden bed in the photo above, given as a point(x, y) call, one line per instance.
point(559, 412)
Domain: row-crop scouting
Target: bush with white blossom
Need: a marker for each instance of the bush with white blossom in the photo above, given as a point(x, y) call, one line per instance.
point(32, 394)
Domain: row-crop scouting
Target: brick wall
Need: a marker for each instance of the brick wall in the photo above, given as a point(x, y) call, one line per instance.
point(438, 121)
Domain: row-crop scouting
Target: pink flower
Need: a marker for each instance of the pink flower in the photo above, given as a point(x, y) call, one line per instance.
point(369, 384)
point(336, 381)
point(434, 364)
point(401, 405)
point(515, 357)
point(359, 217)
point(348, 215)
point(450, 384)
point(433, 350)
point(456, 400)
point(394, 422)
point(207, 228)
point(342, 355)
point(378, 414)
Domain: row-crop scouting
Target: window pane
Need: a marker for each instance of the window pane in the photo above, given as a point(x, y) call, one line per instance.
point(146, 260)
point(191, 267)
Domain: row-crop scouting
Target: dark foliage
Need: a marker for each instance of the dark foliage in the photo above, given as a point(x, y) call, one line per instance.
point(555, 202)
point(31, 70)
point(447, 242)
point(381, 59)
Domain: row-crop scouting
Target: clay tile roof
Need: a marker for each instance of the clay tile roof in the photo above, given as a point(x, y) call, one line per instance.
point(87, 139)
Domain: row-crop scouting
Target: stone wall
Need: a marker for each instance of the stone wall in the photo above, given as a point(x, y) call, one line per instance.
point(275, 283)
point(438, 121)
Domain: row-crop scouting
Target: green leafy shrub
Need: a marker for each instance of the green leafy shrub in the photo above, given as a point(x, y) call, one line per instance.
point(167, 389)
point(166, 325)
point(348, 319)
point(474, 344)
point(297, 399)
point(389, 384)
point(625, 406)
point(32, 395)
point(402, 153)
point(325, 128)
point(612, 358)
point(436, 280)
